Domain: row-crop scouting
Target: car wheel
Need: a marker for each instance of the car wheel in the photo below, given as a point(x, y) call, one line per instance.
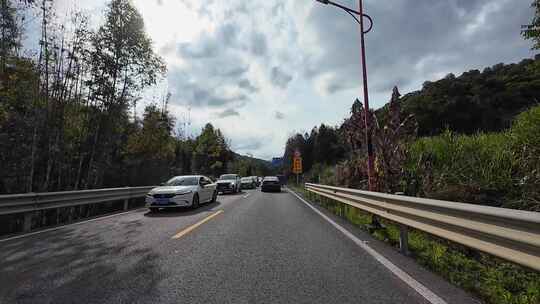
point(195, 203)
point(214, 197)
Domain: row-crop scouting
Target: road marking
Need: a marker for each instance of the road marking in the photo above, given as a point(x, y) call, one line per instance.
point(67, 225)
point(246, 196)
point(414, 284)
point(194, 226)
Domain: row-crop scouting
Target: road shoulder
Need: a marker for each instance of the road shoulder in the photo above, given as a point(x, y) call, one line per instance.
point(437, 284)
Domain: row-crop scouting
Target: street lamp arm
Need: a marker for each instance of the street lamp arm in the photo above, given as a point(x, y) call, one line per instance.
point(358, 21)
point(352, 15)
point(350, 12)
point(340, 6)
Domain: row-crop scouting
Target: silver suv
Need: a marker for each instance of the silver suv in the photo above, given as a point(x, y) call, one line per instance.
point(229, 183)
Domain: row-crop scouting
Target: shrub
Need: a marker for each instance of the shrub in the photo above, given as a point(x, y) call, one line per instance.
point(498, 169)
point(525, 144)
point(476, 168)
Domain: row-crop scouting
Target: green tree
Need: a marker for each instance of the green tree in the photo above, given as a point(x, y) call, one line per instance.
point(154, 140)
point(211, 153)
point(532, 31)
point(122, 64)
point(9, 33)
point(151, 147)
point(183, 156)
point(123, 58)
point(327, 146)
point(475, 101)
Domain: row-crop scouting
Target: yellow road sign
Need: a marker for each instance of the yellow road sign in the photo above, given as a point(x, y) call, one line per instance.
point(297, 165)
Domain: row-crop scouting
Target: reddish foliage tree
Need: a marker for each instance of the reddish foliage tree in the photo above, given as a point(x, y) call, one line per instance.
point(389, 144)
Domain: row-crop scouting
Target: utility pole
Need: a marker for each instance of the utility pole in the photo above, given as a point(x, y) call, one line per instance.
point(367, 116)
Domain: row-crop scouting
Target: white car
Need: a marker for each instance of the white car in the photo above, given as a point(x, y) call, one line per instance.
point(182, 191)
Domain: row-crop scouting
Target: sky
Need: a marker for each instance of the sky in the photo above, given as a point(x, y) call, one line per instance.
point(261, 70)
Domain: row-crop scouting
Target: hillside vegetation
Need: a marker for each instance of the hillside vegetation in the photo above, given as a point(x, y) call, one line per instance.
point(495, 169)
point(475, 101)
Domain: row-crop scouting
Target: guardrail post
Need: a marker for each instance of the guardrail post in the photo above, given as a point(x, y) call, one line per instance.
point(403, 235)
point(71, 210)
point(404, 239)
point(27, 224)
point(126, 204)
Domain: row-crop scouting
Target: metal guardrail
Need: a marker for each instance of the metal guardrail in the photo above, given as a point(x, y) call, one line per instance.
point(513, 235)
point(31, 202)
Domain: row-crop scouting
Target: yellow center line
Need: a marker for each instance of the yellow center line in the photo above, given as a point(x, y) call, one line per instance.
point(194, 226)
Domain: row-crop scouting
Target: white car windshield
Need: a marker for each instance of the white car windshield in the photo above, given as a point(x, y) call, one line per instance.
point(228, 176)
point(183, 181)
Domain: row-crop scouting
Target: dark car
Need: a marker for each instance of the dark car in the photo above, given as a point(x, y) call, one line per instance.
point(271, 183)
point(282, 179)
point(228, 183)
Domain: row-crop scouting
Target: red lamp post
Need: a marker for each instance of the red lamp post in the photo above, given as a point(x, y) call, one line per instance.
point(367, 117)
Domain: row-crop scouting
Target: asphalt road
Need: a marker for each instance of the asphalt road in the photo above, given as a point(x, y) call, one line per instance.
point(248, 248)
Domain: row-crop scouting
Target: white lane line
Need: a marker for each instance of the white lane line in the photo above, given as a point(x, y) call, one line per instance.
point(414, 284)
point(246, 196)
point(68, 225)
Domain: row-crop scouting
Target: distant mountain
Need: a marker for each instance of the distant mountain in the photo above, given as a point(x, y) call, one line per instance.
point(238, 156)
point(248, 166)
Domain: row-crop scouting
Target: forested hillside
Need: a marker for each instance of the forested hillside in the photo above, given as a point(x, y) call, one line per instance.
point(476, 101)
point(67, 107)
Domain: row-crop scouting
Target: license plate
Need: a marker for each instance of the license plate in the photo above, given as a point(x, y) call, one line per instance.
point(162, 201)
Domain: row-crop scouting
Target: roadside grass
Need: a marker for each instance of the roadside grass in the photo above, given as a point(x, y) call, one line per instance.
point(490, 279)
point(496, 169)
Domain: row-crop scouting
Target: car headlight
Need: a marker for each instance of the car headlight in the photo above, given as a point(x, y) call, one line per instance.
point(184, 192)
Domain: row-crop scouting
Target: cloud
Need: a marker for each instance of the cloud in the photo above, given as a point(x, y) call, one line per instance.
point(247, 85)
point(228, 113)
point(460, 34)
point(167, 49)
point(249, 144)
point(280, 78)
point(213, 73)
point(258, 44)
point(279, 116)
point(187, 89)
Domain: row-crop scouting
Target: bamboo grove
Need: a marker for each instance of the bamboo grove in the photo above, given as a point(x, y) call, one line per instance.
point(69, 91)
